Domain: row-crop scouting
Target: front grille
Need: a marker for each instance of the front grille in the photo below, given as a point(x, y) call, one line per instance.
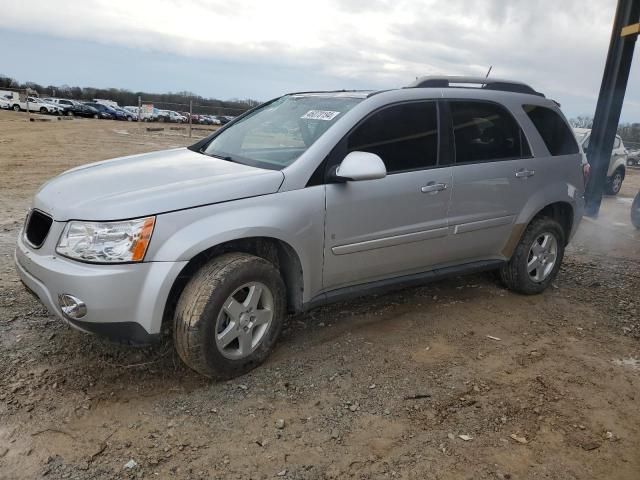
point(37, 229)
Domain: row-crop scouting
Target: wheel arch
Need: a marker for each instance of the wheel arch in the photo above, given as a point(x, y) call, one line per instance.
point(275, 250)
point(561, 211)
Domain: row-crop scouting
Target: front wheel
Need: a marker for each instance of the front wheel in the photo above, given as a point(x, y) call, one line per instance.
point(537, 258)
point(635, 211)
point(614, 183)
point(230, 315)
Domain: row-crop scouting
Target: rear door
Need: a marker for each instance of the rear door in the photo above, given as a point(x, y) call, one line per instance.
point(396, 225)
point(493, 177)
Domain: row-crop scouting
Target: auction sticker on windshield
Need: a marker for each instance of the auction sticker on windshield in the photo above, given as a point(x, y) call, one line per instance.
point(320, 115)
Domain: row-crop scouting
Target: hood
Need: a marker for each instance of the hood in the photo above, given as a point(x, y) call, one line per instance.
point(149, 184)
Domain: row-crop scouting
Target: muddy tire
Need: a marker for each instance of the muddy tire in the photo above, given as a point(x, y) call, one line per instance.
point(635, 211)
point(537, 258)
point(230, 315)
point(614, 182)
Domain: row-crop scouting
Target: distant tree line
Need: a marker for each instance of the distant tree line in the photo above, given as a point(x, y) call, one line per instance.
point(174, 101)
point(629, 132)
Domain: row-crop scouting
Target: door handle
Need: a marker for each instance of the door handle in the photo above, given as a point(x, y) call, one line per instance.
point(525, 173)
point(433, 187)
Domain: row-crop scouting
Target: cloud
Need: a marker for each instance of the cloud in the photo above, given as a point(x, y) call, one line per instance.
point(557, 47)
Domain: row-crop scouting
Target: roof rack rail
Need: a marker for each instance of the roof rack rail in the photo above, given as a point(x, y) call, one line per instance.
point(485, 83)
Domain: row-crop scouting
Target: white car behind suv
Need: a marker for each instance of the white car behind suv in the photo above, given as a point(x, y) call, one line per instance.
point(617, 164)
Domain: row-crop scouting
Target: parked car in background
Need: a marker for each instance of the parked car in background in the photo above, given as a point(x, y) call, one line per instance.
point(5, 102)
point(617, 163)
point(175, 117)
point(136, 111)
point(222, 119)
point(102, 110)
point(209, 120)
point(36, 104)
point(633, 158)
point(352, 194)
point(161, 115)
point(125, 114)
point(73, 107)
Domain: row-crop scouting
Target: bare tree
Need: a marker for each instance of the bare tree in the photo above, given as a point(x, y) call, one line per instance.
point(581, 121)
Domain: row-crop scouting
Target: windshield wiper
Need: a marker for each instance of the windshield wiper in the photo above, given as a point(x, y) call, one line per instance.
point(228, 158)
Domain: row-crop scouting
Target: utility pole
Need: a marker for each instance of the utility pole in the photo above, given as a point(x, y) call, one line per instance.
point(190, 115)
point(614, 84)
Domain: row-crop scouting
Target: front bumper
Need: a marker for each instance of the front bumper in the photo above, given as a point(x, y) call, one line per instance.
point(124, 302)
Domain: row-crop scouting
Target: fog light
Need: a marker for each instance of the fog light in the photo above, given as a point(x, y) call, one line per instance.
point(72, 307)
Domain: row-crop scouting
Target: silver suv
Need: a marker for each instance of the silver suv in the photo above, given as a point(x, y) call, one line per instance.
point(309, 198)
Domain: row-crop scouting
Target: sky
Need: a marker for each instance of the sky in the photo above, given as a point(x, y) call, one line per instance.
point(261, 49)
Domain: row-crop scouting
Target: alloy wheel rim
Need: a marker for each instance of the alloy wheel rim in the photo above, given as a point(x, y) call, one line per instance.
point(542, 257)
point(244, 320)
point(617, 182)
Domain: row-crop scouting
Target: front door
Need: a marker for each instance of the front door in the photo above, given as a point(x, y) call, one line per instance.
point(397, 225)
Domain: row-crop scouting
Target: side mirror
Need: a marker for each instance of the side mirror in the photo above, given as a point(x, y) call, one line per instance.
point(358, 166)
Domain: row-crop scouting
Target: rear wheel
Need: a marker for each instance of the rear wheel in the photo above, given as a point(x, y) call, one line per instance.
point(43, 110)
point(230, 315)
point(614, 183)
point(16, 108)
point(537, 258)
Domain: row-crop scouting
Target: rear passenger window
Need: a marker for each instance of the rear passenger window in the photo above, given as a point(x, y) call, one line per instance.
point(554, 131)
point(405, 136)
point(486, 132)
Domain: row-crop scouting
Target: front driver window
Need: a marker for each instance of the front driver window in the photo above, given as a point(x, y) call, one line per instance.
point(404, 136)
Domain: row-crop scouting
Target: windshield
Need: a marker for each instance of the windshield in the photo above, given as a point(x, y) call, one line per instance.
point(275, 135)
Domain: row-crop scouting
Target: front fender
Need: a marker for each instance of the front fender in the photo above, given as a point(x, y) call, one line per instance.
point(295, 218)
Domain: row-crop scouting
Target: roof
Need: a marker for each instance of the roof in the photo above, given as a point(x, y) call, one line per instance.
point(483, 83)
point(334, 93)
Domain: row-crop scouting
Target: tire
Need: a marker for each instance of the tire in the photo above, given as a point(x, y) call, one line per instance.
point(515, 275)
point(200, 318)
point(43, 110)
point(614, 183)
point(635, 211)
point(129, 119)
point(16, 108)
point(95, 115)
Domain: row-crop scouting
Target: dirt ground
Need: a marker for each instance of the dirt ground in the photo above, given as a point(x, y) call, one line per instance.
point(455, 380)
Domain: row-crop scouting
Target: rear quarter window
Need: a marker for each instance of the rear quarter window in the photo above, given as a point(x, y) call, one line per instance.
point(555, 132)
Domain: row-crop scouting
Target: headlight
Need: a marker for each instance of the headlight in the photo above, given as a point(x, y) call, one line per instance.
point(106, 242)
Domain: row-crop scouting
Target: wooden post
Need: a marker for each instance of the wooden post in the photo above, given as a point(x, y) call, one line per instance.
point(190, 115)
